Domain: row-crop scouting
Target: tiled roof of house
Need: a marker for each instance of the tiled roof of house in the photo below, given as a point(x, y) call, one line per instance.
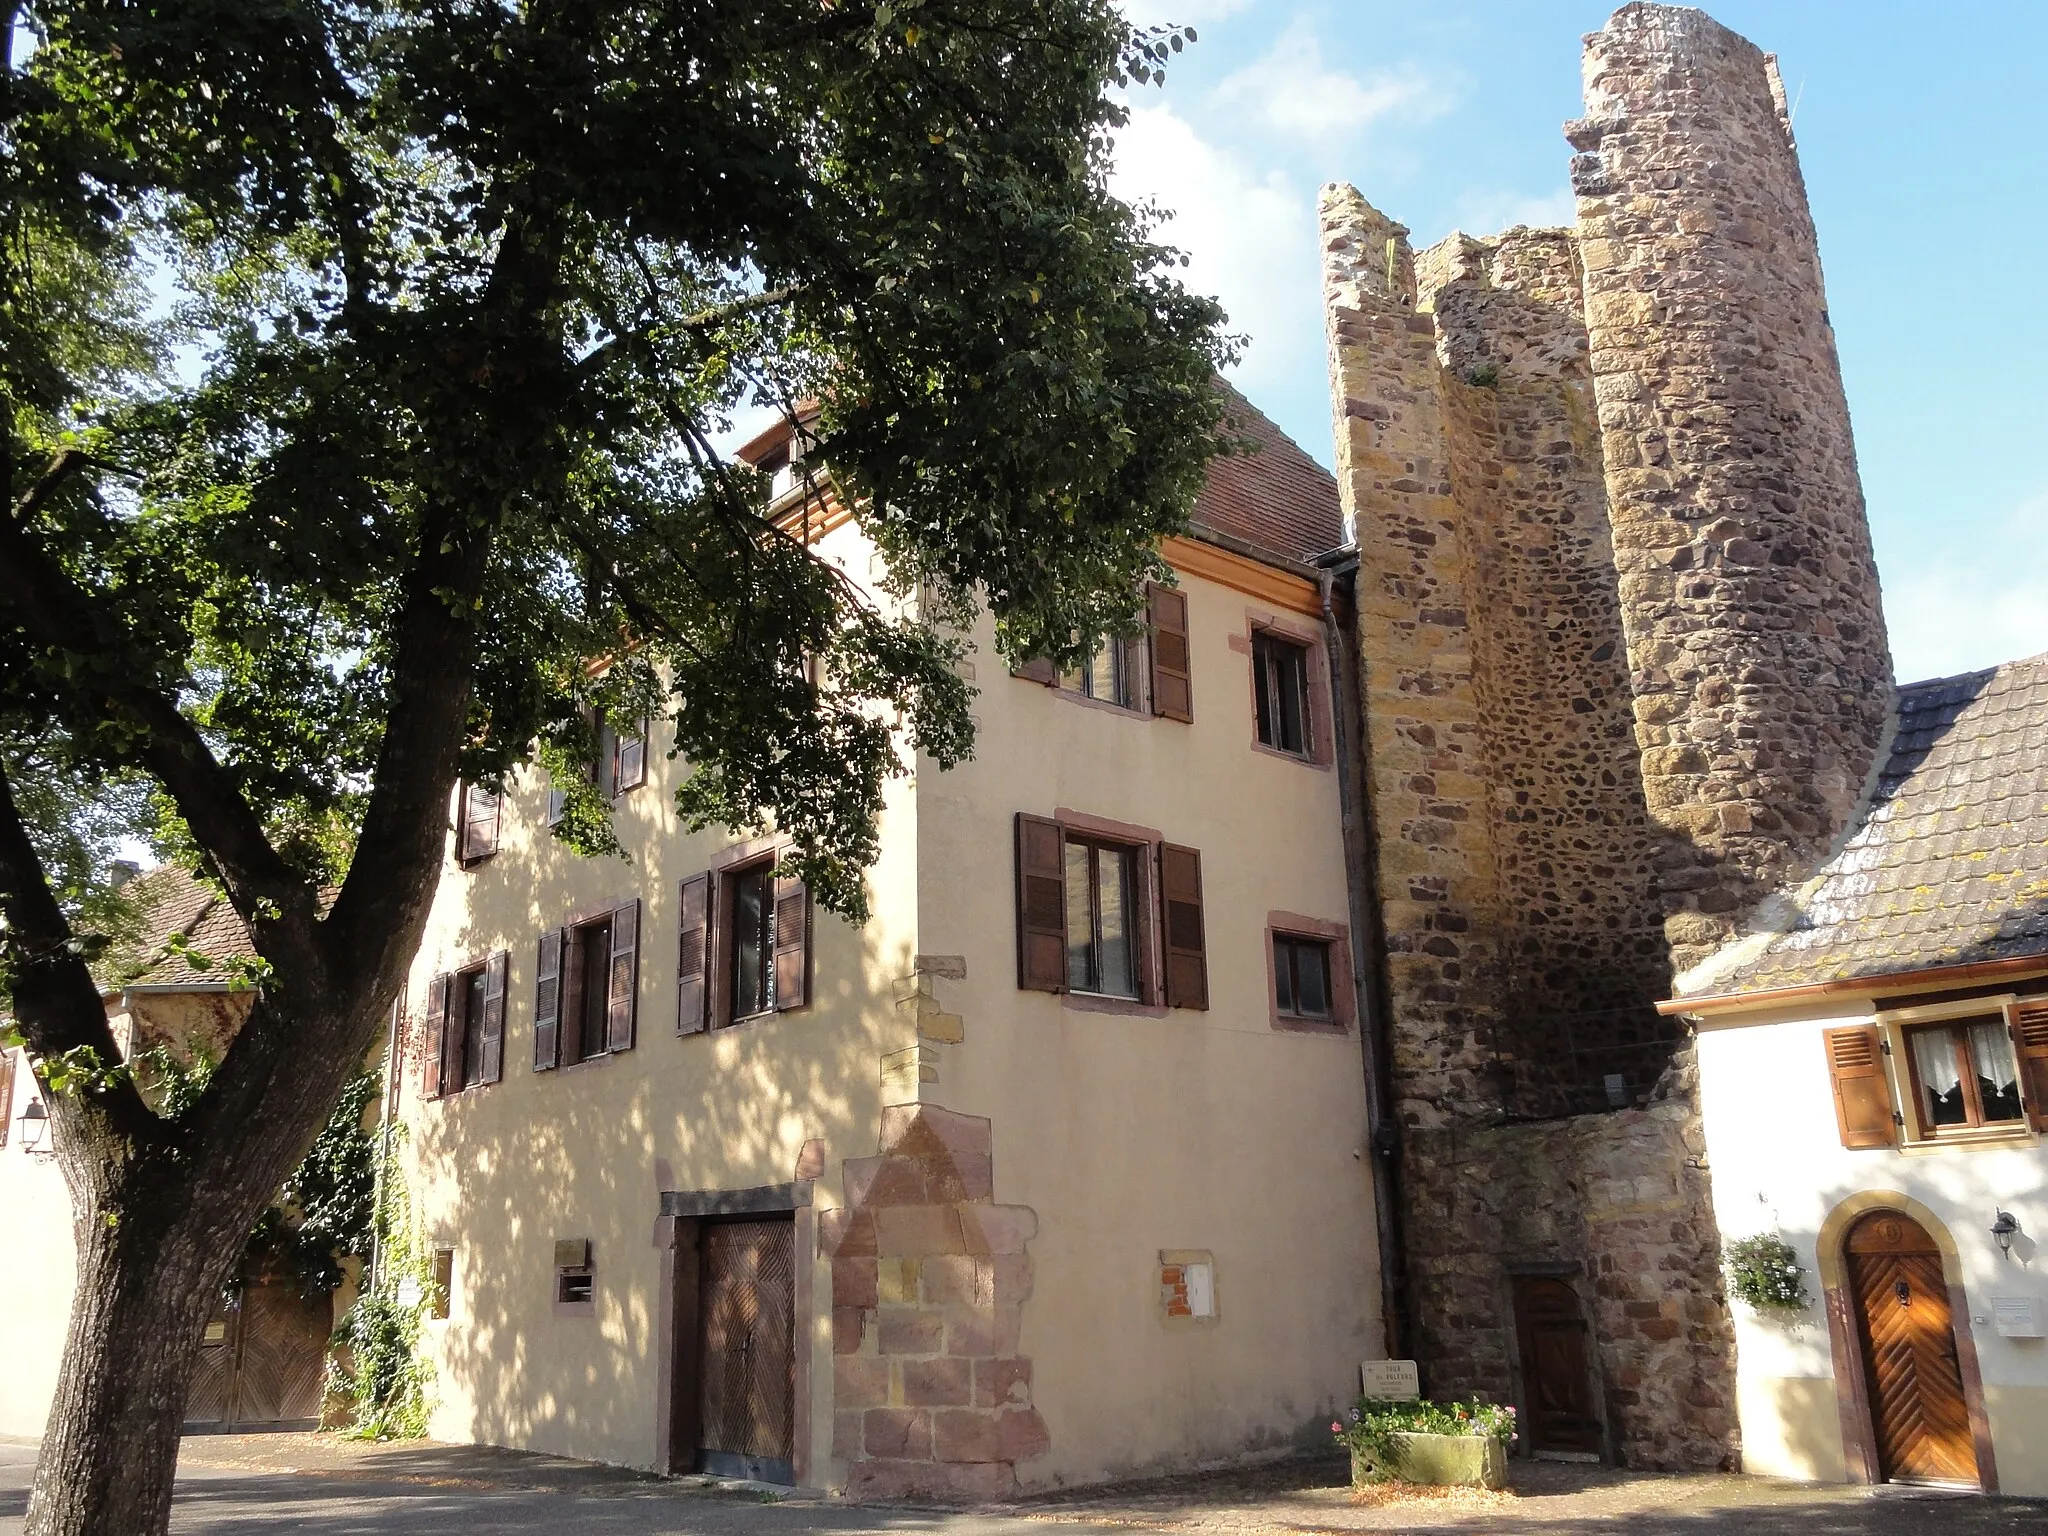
point(176, 905)
point(1949, 865)
point(1277, 498)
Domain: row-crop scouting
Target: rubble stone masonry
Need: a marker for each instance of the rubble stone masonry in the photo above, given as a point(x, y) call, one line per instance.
point(1750, 595)
point(1624, 674)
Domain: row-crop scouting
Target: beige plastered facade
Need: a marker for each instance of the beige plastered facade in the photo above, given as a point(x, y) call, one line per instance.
point(1779, 1167)
point(1116, 1135)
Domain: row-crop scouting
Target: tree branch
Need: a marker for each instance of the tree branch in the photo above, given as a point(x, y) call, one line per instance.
point(59, 616)
point(67, 463)
point(56, 1002)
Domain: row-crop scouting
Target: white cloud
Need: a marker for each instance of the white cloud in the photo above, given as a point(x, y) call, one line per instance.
point(1959, 612)
point(1291, 91)
point(1180, 13)
point(1250, 238)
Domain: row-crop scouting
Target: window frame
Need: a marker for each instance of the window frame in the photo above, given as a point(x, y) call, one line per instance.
point(1895, 1026)
point(1140, 917)
point(727, 868)
point(459, 1029)
point(1974, 1123)
point(1270, 674)
point(571, 983)
point(441, 1305)
point(1336, 937)
point(1131, 667)
point(1318, 721)
point(726, 1013)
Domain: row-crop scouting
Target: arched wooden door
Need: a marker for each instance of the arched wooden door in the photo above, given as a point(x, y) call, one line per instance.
point(1917, 1410)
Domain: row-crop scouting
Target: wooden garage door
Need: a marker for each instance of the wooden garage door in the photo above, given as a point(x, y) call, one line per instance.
point(1909, 1352)
point(263, 1361)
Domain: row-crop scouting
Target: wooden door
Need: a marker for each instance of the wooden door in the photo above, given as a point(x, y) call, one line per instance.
point(747, 1301)
point(1560, 1415)
point(1918, 1415)
point(263, 1361)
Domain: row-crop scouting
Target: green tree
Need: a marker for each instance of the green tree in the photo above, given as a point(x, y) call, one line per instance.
point(366, 367)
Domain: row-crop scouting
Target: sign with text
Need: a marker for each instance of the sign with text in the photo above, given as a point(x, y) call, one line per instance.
point(2019, 1317)
point(1396, 1379)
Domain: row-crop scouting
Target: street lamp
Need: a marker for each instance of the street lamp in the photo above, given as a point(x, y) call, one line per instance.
point(2004, 1229)
point(35, 1124)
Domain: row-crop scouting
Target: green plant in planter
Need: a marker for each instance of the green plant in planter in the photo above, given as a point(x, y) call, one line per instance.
point(1765, 1274)
point(1373, 1425)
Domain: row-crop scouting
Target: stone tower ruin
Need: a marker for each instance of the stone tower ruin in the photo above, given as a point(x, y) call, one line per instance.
point(1624, 675)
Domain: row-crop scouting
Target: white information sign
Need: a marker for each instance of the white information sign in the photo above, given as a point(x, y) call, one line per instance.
point(2018, 1317)
point(1396, 1379)
point(1201, 1284)
point(410, 1291)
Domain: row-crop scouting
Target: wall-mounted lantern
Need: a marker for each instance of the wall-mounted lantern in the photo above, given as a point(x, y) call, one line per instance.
point(35, 1125)
point(2005, 1228)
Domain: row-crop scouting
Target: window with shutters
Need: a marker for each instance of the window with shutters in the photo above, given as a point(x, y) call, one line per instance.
point(1964, 1075)
point(466, 1027)
point(476, 834)
point(1280, 690)
point(587, 988)
point(1102, 914)
point(750, 959)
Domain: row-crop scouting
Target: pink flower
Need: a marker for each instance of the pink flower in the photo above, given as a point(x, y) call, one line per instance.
point(1336, 1428)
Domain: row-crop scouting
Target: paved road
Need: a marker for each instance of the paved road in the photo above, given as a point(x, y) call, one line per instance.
point(241, 1487)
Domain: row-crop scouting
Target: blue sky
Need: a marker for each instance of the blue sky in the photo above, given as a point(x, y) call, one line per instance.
point(1922, 140)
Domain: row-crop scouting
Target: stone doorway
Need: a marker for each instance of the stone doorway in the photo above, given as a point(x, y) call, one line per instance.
point(1560, 1417)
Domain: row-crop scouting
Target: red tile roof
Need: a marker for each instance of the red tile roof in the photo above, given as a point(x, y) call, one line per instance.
point(1277, 498)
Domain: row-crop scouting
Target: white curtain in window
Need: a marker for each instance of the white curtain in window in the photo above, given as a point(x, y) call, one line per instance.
point(1991, 1055)
point(1934, 1054)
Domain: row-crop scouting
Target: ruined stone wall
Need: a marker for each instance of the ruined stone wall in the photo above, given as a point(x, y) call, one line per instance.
point(1513, 851)
point(1582, 952)
point(1748, 588)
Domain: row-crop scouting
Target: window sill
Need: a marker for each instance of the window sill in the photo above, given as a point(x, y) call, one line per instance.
point(1102, 1002)
point(575, 1309)
point(588, 1061)
point(1087, 701)
point(2018, 1136)
point(1299, 1024)
point(1304, 759)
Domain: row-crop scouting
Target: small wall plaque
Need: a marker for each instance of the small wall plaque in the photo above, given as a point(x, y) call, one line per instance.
point(410, 1292)
point(2018, 1317)
point(1398, 1380)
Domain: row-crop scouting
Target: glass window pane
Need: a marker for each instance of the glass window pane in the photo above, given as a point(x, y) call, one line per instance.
point(1941, 1086)
point(753, 943)
point(472, 1029)
point(1312, 967)
point(1080, 920)
point(1293, 699)
point(1118, 956)
point(1998, 1079)
point(1102, 673)
point(597, 974)
point(1283, 974)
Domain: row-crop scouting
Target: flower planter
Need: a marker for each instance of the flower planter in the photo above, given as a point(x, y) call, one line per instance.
point(1458, 1461)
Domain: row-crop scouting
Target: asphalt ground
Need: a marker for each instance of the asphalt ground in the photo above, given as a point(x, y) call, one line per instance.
point(231, 1485)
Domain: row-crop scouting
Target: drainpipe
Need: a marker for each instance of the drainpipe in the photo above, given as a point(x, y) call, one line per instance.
point(392, 1078)
point(1368, 954)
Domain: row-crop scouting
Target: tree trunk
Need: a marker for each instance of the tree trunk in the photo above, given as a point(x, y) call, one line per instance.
point(147, 1283)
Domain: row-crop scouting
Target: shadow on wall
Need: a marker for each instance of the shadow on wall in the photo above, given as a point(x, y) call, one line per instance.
point(585, 1152)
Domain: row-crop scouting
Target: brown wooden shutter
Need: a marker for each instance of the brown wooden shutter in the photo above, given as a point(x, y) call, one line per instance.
point(479, 823)
point(2030, 1048)
point(792, 943)
point(547, 1001)
point(693, 956)
point(1041, 905)
point(491, 1043)
point(1172, 690)
point(629, 759)
point(1863, 1100)
point(436, 1036)
point(6, 1094)
point(1187, 962)
point(623, 987)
